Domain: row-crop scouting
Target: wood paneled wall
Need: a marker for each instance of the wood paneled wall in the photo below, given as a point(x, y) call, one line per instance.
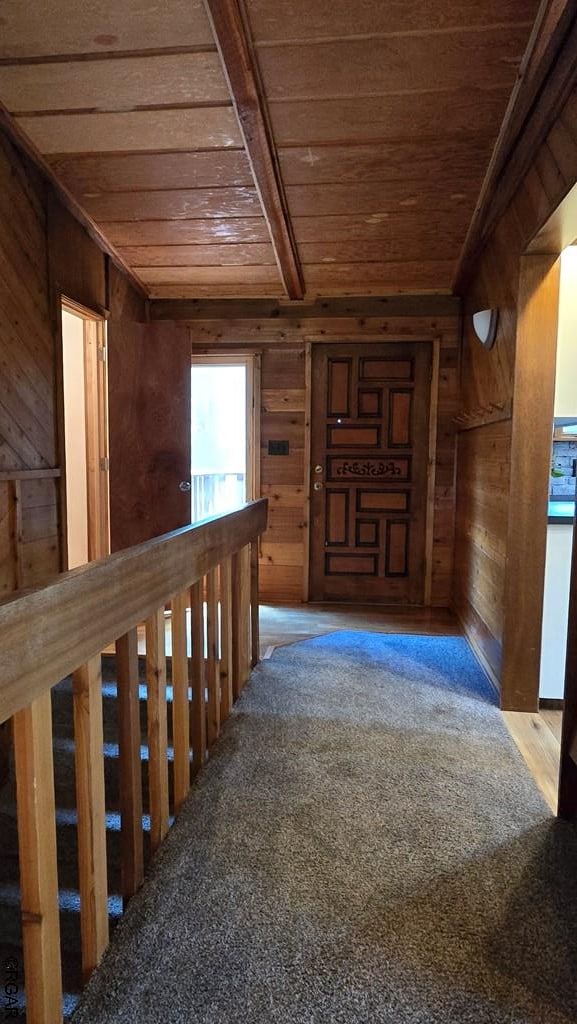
point(487, 382)
point(284, 402)
point(29, 547)
point(44, 252)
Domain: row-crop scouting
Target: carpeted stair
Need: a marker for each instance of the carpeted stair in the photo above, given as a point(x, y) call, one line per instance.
point(65, 792)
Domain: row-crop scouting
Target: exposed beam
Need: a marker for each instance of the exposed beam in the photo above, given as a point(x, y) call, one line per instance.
point(542, 84)
point(272, 309)
point(235, 47)
point(23, 143)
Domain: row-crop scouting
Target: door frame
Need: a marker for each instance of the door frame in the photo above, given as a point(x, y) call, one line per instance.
point(252, 361)
point(97, 440)
point(532, 423)
point(351, 339)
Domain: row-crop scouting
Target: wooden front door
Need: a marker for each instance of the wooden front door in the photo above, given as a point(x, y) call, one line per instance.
point(369, 459)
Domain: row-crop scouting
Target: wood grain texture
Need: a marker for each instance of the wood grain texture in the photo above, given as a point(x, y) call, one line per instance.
point(242, 74)
point(220, 231)
point(343, 120)
point(389, 191)
point(123, 83)
point(180, 706)
point(487, 381)
point(373, 65)
point(64, 27)
point(223, 277)
point(226, 654)
point(149, 401)
point(279, 332)
point(133, 172)
point(190, 204)
point(91, 810)
point(38, 860)
point(378, 162)
point(212, 660)
point(483, 465)
point(157, 728)
point(198, 255)
point(133, 131)
point(533, 409)
point(125, 589)
point(198, 703)
point(306, 20)
point(130, 781)
point(534, 117)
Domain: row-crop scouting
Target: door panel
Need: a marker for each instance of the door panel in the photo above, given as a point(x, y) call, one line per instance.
point(369, 453)
point(149, 416)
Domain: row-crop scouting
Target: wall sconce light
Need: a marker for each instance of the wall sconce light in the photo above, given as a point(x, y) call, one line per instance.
point(485, 324)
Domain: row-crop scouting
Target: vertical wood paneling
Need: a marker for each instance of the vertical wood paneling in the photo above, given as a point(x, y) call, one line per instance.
point(487, 385)
point(284, 403)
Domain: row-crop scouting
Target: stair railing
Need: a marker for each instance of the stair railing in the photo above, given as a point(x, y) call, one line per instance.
point(60, 629)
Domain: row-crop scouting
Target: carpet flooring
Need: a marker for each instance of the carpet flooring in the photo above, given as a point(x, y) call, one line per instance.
point(365, 845)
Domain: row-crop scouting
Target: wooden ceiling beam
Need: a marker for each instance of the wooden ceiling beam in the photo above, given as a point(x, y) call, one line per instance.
point(272, 309)
point(235, 47)
point(546, 76)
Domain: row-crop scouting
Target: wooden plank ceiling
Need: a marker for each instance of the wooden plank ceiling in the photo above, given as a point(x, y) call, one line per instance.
point(318, 147)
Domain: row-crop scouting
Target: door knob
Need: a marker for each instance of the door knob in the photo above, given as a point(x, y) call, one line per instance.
point(185, 485)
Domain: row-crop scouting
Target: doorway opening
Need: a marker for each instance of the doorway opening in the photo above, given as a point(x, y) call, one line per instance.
point(223, 445)
point(85, 515)
point(539, 674)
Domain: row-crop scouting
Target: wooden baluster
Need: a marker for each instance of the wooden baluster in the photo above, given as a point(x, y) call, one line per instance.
point(91, 808)
point(198, 706)
point(180, 709)
point(236, 625)
point(38, 862)
point(212, 668)
point(245, 641)
point(226, 659)
point(130, 765)
point(254, 605)
point(157, 728)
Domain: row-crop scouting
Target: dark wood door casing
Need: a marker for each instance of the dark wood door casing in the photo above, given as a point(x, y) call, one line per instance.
point(369, 471)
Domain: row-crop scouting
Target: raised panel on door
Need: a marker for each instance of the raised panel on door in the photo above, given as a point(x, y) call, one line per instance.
point(149, 416)
point(369, 471)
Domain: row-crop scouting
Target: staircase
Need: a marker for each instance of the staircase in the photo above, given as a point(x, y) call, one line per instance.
point(104, 759)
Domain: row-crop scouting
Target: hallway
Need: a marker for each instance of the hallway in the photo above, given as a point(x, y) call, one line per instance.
point(363, 845)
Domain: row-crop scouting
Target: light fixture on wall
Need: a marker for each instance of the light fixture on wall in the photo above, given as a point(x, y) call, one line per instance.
point(485, 324)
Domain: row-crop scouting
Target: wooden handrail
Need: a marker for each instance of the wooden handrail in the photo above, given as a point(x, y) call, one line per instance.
point(46, 633)
point(60, 630)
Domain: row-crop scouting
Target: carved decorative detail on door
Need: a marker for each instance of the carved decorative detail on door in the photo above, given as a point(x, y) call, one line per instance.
point(369, 439)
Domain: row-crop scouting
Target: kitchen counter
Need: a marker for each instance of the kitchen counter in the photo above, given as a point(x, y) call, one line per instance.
point(561, 511)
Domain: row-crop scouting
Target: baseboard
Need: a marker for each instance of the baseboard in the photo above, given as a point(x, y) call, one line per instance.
point(552, 703)
point(478, 653)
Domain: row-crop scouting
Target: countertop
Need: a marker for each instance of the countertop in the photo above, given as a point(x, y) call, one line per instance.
point(561, 512)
